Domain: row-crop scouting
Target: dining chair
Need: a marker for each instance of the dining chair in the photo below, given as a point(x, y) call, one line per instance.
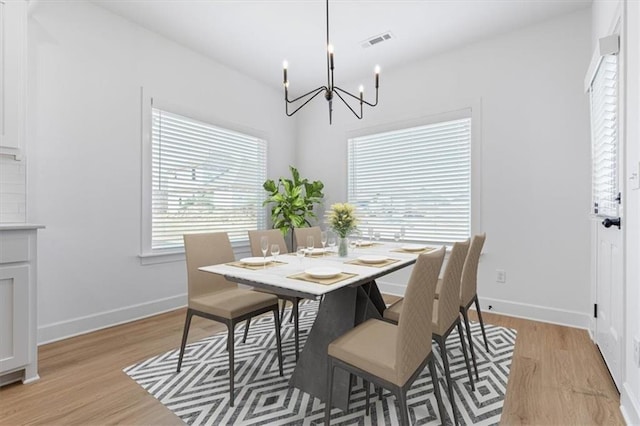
point(301, 235)
point(275, 237)
point(393, 356)
point(446, 315)
point(212, 296)
point(469, 292)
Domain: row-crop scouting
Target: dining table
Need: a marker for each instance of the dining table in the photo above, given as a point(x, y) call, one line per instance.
point(348, 294)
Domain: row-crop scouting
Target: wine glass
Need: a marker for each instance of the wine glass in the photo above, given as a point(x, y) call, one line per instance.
point(376, 236)
point(264, 246)
point(371, 235)
point(332, 242)
point(353, 243)
point(323, 239)
point(300, 253)
point(275, 251)
point(310, 244)
point(359, 238)
point(402, 233)
point(396, 237)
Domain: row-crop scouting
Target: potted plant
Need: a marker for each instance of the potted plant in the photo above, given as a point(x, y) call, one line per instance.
point(292, 201)
point(343, 221)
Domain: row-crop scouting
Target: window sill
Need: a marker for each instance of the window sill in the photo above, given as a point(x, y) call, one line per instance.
point(240, 249)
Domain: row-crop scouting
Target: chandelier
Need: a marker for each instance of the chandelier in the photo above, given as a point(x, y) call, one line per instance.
point(330, 89)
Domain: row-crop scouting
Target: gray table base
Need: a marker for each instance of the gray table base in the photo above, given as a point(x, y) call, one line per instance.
point(339, 312)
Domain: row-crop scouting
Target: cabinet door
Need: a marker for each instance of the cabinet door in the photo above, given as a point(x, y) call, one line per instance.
point(13, 71)
point(14, 317)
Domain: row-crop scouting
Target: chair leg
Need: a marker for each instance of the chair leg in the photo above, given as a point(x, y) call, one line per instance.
point(276, 320)
point(296, 325)
point(246, 330)
point(327, 407)
point(465, 315)
point(445, 361)
point(232, 370)
point(284, 303)
point(436, 389)
point(466, 357)
point(484, 335)
point(402, 402)
point(185, 333)
point(367, 397)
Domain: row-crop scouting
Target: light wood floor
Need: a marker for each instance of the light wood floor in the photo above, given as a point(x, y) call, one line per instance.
point(557, 377)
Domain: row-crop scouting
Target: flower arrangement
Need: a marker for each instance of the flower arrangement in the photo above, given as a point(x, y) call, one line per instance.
point(342, 219)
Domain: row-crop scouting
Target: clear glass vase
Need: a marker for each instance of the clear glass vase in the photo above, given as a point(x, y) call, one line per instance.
point(343, 247)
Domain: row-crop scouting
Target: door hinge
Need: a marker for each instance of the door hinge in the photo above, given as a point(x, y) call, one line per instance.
point(595, 310)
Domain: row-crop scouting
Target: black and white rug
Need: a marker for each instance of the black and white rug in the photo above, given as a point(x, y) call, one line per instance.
point(199, 394)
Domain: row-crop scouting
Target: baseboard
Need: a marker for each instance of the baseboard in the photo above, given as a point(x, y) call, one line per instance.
point(536, 312)
point(391, 288)
point(514, 309)
point(629, 405)
point(82, 325)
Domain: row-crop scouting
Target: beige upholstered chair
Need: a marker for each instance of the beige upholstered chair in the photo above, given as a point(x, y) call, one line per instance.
point(446, 313)
point(275, 237)
point(393, 356)
point(469, 291)
point(212, 296)
point(301, 235)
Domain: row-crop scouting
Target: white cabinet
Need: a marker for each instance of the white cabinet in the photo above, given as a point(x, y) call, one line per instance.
point(13, 77)
point(18, 303)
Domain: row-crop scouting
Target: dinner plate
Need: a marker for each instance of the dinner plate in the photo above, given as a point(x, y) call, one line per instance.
point(323, 272)
point(364, 243)
point(414, 247)
point(256, 260)
point(317, 250)
point(372, 259)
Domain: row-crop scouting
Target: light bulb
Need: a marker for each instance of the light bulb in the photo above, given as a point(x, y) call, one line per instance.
point(330, 48)
point(361, 88)
point(377, 69)
point(285, 64)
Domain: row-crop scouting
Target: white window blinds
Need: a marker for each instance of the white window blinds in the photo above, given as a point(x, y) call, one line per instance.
point(604, 137)
point(205, 179)
point(415, 181)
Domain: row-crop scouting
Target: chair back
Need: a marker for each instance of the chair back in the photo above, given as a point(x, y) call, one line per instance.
point(449, 298)
point(415, 325)
point(203, 250)
point(301, 235)
point(274, 236)
point(469, 283)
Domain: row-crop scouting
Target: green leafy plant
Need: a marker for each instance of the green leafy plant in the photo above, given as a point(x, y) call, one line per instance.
point(292, 201)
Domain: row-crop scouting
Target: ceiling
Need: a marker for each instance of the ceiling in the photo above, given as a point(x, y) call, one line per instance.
point(255, 36)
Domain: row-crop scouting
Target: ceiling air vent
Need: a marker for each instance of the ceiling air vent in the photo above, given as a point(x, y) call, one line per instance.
point(372, 41)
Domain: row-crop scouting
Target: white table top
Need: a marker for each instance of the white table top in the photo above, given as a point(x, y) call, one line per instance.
point(276, 276)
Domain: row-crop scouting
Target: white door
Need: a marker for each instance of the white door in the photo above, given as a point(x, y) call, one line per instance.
point(605, 123)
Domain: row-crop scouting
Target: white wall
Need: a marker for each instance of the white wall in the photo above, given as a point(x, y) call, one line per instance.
point(605, 14)
point(535, 157)
point(87, 66)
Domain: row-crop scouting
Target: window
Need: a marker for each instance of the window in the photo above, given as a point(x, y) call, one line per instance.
point(604, 137)
point(416, 180)
point(203, 179)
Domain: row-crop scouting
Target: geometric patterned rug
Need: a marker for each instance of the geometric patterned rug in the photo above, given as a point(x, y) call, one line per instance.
point(199, 394)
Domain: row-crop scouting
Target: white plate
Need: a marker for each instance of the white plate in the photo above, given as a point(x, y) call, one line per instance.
point(364, 243)
point(414, 247)
point(372, 259)
point(256, 260)
point(323, 272)
point(317, 250)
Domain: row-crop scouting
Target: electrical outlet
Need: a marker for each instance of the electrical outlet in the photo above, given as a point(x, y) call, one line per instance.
point(636, 351)
point(501, 276)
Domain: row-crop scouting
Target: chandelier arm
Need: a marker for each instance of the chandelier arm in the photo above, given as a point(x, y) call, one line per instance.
point(329, 73)
point(336, 88)
point(318, 91)
point(349, 106)
point(286, 94)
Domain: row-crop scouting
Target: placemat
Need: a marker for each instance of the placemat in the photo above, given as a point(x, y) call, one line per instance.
point(427, 250)
point(327, 281)
point(367, 245)
point(269, 264)
point(374, 265)
point(326, 253)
